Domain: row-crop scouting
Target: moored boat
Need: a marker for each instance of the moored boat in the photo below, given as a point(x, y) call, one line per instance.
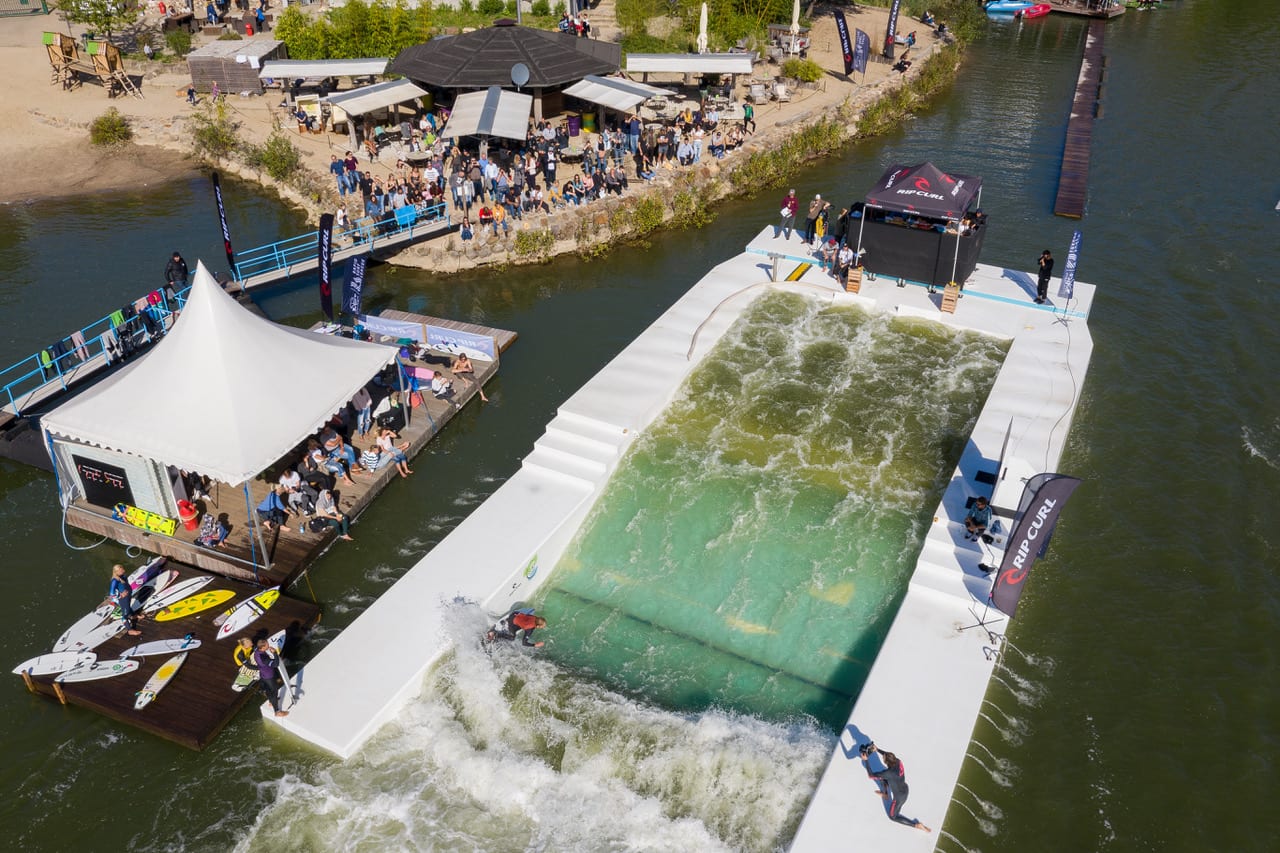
point(1039, 10)
point(1007, 6)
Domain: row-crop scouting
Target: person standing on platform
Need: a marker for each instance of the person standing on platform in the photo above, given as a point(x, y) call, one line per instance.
point(892, 784)
point(121, 594)
point(1046, 270)
point(176, 272)
point(269, 675)
point(811, 221)
point(790, 206)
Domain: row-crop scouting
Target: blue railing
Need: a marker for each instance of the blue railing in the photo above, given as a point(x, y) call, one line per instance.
point(112, 337)
point(302, 249)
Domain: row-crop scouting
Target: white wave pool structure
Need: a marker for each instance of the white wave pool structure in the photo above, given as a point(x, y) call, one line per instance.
point(924, 690)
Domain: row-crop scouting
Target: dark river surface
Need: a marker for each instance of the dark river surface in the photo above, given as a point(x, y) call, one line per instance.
point(1141, 710)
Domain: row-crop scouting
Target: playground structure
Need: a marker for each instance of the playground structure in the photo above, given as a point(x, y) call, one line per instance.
point(70, 64)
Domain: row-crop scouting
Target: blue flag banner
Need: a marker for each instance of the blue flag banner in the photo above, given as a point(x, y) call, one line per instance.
point(1068, 287)
point(861, 51)
point(1042, 502)
point(353, 285)
point(892, 33)
point(324, 245)
point(846, 49)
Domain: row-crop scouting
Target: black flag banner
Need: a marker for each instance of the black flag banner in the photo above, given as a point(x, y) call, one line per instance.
point(1042, 502)
point(222, 221)
point(891, 33)
point(353, 285)
point(846, 47)
point(323, 247)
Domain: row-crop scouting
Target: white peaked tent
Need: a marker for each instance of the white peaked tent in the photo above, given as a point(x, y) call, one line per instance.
point(226, 393)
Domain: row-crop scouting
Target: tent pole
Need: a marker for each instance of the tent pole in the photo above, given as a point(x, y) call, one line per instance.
point(408, 403)
point(862, 221)
point(257, 531)
point(955, 261)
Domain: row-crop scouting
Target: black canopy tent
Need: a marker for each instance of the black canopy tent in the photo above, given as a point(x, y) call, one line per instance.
point(905, 220)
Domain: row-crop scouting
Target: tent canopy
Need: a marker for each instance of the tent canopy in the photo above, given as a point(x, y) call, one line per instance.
point(485, 57)
point(292, 69)
point(366, 99)
point(614, 92)
point(926, 190)
point(690, 63)
point(494, 112)
point(226, 393)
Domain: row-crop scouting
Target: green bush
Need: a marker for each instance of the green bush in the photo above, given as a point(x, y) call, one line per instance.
point(534, 244)
point(213, 132)
point(491, 7)
point(110, 129)
point(354, 29)
point(230, 37)
point(179, 42)
point(466, 6)
point(279, 158)
point(541, 8)
point(803, 69)
point(510, 8)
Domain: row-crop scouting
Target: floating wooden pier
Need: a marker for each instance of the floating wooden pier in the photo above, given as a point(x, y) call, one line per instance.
point(1087, 8)
point(290, 552)
point(199, 702)
point(1073, 181)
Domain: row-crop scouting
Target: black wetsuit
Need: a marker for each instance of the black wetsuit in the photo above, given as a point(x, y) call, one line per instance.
point(1042, 284)
point(895, 781)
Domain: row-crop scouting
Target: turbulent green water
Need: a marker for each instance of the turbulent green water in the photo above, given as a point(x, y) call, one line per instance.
point(1143, 716)
point(752, 547)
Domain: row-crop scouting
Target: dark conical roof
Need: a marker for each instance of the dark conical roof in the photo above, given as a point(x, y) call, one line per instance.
point(484, 58)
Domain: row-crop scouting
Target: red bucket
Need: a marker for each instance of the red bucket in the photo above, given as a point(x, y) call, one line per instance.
point(188, 514)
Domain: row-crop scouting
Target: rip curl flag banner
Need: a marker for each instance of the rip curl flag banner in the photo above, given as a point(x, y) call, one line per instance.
point(324, 255)
point(891, 32)
point(846, 47)
point(222, 222)
point(1042, 502)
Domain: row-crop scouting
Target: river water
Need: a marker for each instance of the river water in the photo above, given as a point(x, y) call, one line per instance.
point(1139, 711)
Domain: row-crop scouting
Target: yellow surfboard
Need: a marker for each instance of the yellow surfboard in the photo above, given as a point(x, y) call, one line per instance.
point(194, 604)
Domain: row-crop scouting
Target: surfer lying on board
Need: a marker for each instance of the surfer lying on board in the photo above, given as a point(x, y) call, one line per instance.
point(513, 623)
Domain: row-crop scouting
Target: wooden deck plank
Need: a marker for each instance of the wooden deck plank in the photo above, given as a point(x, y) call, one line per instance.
point(199, 702)
point(1073, 179)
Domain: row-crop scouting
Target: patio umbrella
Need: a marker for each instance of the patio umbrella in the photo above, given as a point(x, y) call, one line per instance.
point(702, 29)
point(795, 24)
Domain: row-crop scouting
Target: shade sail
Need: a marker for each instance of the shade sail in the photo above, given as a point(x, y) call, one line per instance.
point(690, 63)
point(494, 112)
point(926, 190)
point(379, 96)
point(613, 92)
point(485, 58)
point(225, 393)
point(292, 69)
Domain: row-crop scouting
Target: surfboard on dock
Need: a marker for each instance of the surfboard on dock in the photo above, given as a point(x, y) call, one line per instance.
point(54, 663)
point(83, 626)
point(159, 680)
point(176, 593)
point(97, 670)
point(194, 604)
point(145, 572)
point(160, 647)
point(246, 612)
point(99, 635)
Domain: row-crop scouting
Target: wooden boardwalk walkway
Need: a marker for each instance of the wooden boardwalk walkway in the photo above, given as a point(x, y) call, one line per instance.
point(1073, 181)
point(199, 702)
point(289, 551)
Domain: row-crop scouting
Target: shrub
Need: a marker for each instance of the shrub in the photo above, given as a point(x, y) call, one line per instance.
point(179, 42)
point(510, 8)
point(466, 6)
point(534, 244)
point(803, 69)
point(230, 37)
point(279, 158)
point(213, 133)
point(491, 7)
point(110, 129)
point(541, 8)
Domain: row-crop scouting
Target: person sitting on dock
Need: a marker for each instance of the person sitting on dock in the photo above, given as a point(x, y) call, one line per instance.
point(269, 675)
point(975, 523)
point(337, 448)
point(441, 386)
point(301, 495)
point(332, 464)
point(213, 530)
point(327, 511)
point(387, 447)
point(272, 511)
point(389, 413)
point(513, 623)
point(463, 369)
point(927, 18)
point(121, 594)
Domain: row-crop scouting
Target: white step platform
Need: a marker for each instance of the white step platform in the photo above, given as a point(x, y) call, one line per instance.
point(923, 693)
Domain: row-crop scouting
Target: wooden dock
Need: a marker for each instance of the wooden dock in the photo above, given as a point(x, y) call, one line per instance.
point(1087, 8)
point(1073, 180)
point(290, 552)
point(199, 702)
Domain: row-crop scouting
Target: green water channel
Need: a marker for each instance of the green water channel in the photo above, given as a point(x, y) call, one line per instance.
point(752, 547)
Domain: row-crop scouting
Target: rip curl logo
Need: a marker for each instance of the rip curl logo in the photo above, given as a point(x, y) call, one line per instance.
point(922, 184)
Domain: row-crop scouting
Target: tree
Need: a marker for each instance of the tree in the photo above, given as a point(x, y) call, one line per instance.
point(102, 17)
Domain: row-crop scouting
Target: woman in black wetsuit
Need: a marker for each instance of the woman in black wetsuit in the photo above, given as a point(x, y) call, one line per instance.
point(894, 787)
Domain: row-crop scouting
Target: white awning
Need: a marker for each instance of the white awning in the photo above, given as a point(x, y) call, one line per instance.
point(495, 112)
point(366, 99)
point(613, 92)
point(292, 69)
point(690, 63)
point(225, 392)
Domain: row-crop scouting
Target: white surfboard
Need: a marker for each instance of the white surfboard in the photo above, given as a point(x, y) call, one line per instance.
point(145, 572)
point(244, 613)
point(99, 635)
point(159, 680)
point(160, 647)
point(155, 585)
point(176, 593)
point(51, 664)
point(100, 669)
point(83, 626)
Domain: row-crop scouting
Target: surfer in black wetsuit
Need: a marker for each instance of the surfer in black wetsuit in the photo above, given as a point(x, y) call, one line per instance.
point(891, 783)
point(508, 626)
point(121, 594)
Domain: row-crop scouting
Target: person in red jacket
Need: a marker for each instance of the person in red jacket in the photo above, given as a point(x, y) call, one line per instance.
point(515, 622)
point(790, 206)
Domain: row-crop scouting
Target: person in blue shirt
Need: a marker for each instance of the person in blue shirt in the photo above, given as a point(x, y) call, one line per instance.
point(975, 523)
point(272, 511)
point(122, 594)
